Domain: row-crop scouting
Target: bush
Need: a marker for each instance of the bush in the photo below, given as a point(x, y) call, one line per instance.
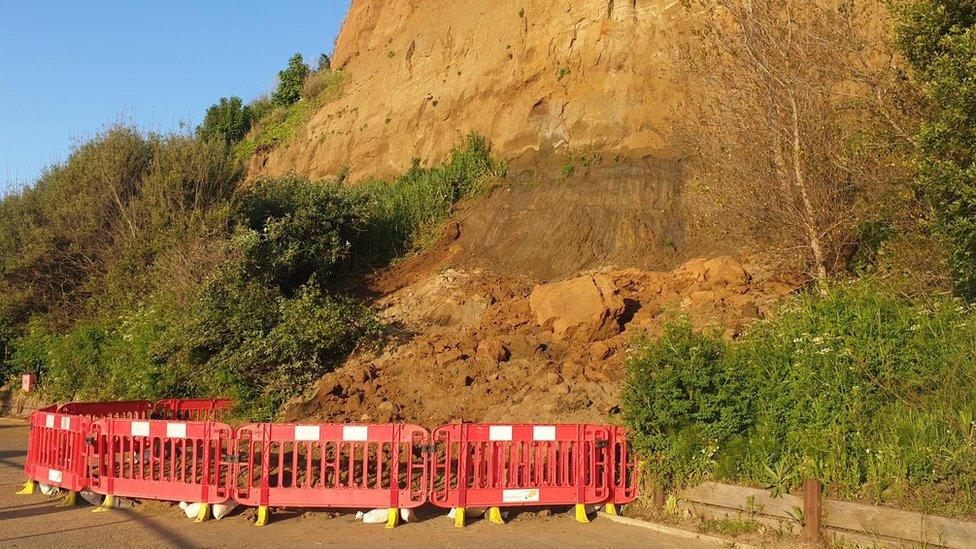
point(291, 229)
point(229, 120)
point(939, 39)
point(290, 82)
point(868, 392)
point(249, 341)
point(321, 85)
point(404, 215)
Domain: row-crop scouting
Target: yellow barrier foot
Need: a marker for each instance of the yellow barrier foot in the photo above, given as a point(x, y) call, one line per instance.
point(581, 513)
point(106, 505)
point(393, 518)
point(69, 499)
point(610, 509)
point(459, 517)
point(28, 490)
point(495, 516)
point(262, 519)
point(204, 513)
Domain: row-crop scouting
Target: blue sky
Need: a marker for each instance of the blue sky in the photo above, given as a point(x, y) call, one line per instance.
point(70, 68)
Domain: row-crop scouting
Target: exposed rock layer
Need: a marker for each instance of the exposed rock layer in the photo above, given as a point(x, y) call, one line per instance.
point(533, 76)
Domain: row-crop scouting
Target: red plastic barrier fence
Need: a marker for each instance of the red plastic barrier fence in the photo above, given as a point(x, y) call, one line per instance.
point(134, 409)
point(482, 465)
point(56, 451)
point(624, 469)
point(332, 465)
point(168, 460)
point(193, 409)
point(191, 457)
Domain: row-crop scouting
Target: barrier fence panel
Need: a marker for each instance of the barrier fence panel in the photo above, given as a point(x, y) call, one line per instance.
point(126, 409)
point(167, 460)
point(624, 469)
point(332, 465)
point(114, 448)
point(193, 409)
point(482, 465)
point(57, 452)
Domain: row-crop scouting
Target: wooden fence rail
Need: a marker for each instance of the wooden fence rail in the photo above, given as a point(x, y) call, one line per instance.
point(816, 517)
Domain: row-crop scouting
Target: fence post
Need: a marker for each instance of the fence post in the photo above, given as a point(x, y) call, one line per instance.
point(811, 509)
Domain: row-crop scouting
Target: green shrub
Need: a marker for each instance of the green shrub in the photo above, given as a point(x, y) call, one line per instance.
point(322, 85)
point(405, 214)
point(248, 341)
point(291, 229)
point(683, 399)
point(939, 39)
point(290, 82)
point(8, 333)
point(866, 391)
point(228, 120)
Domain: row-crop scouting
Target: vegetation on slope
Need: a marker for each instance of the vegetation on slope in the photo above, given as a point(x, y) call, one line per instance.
point(870, 393)
point(141, 269)
point(865, 384)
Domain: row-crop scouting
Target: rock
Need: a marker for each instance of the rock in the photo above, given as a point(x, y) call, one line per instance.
point(447, 357)
point(600, 350)
point(582, 309)
point(571, 370)
point(494, 349)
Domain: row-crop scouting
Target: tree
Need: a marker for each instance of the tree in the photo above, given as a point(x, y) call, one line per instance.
point(228, 119)
point(779, 121)
point(325, 63)
point(939, 39)
point(290, 82)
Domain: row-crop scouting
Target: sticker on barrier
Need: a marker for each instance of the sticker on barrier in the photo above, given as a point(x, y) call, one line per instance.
point(482, 465)
point(332, 466)
point(166, 460)
point(56, 452)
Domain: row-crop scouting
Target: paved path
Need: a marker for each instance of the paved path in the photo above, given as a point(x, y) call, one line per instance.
point(34, 521)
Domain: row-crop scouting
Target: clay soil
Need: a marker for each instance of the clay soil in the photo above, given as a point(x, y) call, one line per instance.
point(464, 343)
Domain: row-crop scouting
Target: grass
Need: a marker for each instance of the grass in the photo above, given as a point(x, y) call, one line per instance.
point(405, 214)
point(281, 124)
point(871, 393)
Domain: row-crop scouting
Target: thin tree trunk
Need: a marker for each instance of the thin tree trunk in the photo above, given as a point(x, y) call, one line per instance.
point(809, 219)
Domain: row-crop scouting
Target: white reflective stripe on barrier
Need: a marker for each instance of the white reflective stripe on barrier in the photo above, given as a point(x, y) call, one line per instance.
point(140, 428)
point(355, 432)
point(307, 432)
point(54, 475)
point(500, 432)
point(176, 430)
point(544, 432)
point(49, 421)
point(66, 423)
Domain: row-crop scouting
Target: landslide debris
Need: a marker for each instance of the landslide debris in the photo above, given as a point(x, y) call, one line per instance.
point(471, 345)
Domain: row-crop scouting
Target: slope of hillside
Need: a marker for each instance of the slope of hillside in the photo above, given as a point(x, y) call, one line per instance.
point(532, 76)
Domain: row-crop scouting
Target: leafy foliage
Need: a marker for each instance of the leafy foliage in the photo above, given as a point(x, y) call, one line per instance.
point(290, 230)
point(858, 388)
point(290, 82)
point(405, 214)
point(228, 120)
point(939, 39)
point(164, 280)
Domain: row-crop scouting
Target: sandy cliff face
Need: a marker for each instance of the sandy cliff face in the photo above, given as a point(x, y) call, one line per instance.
point(533, 76)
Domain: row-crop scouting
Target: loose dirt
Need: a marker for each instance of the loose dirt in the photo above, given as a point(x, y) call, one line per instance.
point(468, 343)
point(35, 521)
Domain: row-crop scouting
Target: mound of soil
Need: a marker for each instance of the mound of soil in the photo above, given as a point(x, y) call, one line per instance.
point(472, 345)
